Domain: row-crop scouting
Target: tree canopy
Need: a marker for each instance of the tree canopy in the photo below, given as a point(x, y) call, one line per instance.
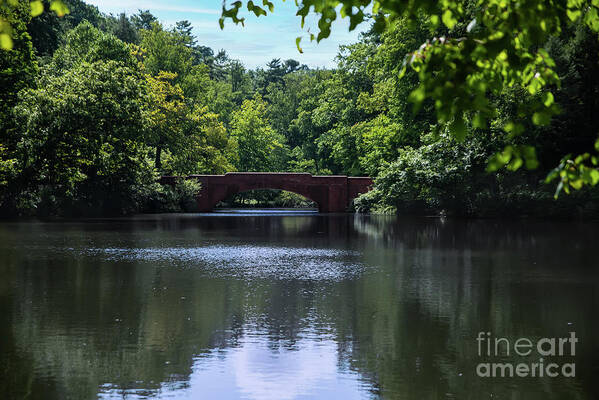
point(431, 101)
point(475, 50)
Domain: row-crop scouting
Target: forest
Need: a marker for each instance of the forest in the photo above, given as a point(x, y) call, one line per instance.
point(94, 108)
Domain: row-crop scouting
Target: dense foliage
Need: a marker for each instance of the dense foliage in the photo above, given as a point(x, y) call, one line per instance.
point(98, 106)
point(475, 50)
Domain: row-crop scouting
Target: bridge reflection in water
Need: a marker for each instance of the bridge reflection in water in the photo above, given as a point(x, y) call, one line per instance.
point(332, 193)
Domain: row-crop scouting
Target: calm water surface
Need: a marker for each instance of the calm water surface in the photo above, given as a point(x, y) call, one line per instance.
point(279, 305)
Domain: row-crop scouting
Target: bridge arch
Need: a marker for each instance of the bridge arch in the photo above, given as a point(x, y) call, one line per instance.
point(332, 193)
point(303, 195)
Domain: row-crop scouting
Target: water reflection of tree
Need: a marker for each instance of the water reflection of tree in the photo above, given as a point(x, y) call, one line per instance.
point(407, 325)
point(456, 278)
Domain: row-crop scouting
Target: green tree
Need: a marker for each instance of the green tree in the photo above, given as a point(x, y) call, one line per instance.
point(165, 51)
point(48, 29)
point(122, 27)
point(206, 147)
point(259, 145)
point(33, 8)
point(18, 71)
point(184, 28)
point(484, 48)
point(324, 122)
point(218, 65)
point(18, 66)
point(83, 138)
point(194, 139)
point(166, 114)
point(143, 20)
point(303, 131)
point(87, 44)
point(284, 103)
point(379, 142)
point(241, 85)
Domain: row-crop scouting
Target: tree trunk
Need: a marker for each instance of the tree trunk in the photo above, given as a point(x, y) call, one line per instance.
point(158, 161)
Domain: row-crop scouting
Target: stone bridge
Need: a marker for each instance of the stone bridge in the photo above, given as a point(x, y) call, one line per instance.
point(332, 193)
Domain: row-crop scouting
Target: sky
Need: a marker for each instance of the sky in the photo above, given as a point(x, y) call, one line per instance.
point(261, 40)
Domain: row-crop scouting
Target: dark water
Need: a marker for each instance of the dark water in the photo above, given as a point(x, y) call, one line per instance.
point(291, 306)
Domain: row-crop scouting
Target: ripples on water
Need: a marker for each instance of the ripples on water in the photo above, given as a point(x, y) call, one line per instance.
point(288, 306)
point(249, 261)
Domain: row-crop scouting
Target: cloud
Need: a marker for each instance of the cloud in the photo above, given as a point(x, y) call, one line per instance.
point(260, 368)
point(133, 6)
point(255, 44)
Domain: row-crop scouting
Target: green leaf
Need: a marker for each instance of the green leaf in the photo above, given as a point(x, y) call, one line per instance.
point(269, 4)
point(576, 184)
point(547, 98)
point(534, 86)
point(257, 10)
point(37, 7)
point(515, 164)
point(498, 160)
point(297, 43)
point(417, 96)
point(402, 72)
point(448, 19)
point(5, 41)
point(574, 14)
point(375, 7)
point(506, 154)
point(479, 121)
point(532, 163)
point(458, 129)
point(528, 151)
point(513, 128)
point(541, 118)
point(530, 156)
point(59, 8)
point(494, 163)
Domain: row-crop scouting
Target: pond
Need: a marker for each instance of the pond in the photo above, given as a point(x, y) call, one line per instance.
point(275, 304)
